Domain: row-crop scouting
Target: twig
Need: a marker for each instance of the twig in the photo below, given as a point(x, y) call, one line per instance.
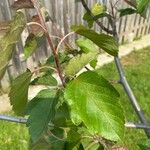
point(51, 134)
point(56, 59)
point(38, 24)
point(93, 17)
point(88, 137)
point(62, 40)
point(116, 3)
point(112, 8)
point(44, 67)
point(101, 141)
point(58, 30)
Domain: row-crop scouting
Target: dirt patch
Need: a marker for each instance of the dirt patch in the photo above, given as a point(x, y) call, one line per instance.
point(129, 60)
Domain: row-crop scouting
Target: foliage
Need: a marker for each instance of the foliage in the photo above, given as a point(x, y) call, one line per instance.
point(79, 107)
point(104, 41)
point(90, 92)
point(32, 43)
point(8, 41)
point(135, 70)
point(79, 62)
point(98, 10)
point(45, 79)
point(43, 103)
point(139, 6)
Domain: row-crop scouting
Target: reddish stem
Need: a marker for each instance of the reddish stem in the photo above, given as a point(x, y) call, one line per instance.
point(56, 59)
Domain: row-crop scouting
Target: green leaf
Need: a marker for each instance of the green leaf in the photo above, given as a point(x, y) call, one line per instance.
point(41, 111)
point(104, 41)
point(98, 9)
point(8, 41)
point(32, 43)
point(73, 135)
point(95, 101)
point(144, 144)
point(142, 5)
point(86, 142)
point(87, 45)
point(78, 62)
point(46, 79)
point(19, 92)
point(90, 20)
point(73, 139)
point(62, 116)
point(93, 63)
point(127, 11)
point(41, 144)
point(62, 58)
point(55, 143)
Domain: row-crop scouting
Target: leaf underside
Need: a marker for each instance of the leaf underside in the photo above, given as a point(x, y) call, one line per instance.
point(103, 41)
point(47, 79)
point(19, 92)
point(8, 41)
point(78, 62)
point(87, 45)
point(41, 111)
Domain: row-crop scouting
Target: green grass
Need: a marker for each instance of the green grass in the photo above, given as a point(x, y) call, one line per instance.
point(15, 136)
point(137, 71)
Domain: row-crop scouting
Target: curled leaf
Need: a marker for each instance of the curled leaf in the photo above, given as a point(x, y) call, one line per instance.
point(8, 41)
point(41, 111)
point(78, 62)
point(104, 41)
point(32, 43)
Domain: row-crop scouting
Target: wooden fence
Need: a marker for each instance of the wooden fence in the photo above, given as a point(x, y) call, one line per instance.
point(65, 13)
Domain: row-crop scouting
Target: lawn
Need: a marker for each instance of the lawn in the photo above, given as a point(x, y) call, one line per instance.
point(15, 137)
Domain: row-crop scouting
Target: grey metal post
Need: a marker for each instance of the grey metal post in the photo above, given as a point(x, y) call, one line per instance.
point(126, 85)
point(131, 96)
point(13, 119)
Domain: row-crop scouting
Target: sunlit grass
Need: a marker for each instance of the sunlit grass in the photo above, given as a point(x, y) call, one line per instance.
point(13, 136)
